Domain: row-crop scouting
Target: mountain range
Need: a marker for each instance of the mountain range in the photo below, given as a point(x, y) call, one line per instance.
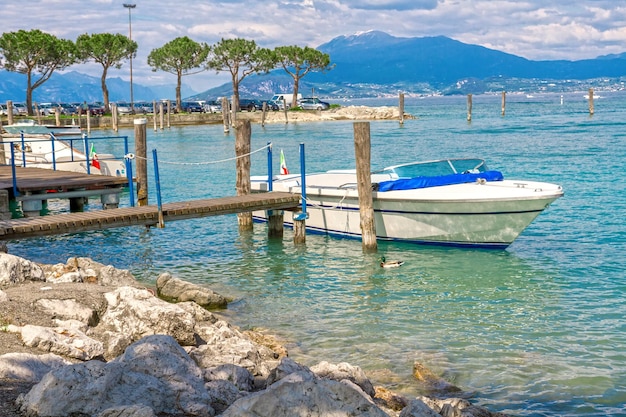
point(372, 64)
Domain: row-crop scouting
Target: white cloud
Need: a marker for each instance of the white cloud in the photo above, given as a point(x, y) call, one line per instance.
point(535, 29)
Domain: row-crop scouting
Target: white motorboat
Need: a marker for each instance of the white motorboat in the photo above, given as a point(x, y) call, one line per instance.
point(30, 127)
point(450, 202)
point(46, 151)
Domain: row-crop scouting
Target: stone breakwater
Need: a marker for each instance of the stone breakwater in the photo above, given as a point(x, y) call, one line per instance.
point(82, 338)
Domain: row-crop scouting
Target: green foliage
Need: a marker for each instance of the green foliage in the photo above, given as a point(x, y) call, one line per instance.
point(182, 56)
point(32, 52)
point(298, 62)
point(105, 48)
point(240, 57)
point(108, 50)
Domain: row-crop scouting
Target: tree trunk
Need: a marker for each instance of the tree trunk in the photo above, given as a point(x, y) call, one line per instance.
point(29, 94)
point(105, 90)
point(296, 87)
point(179, 106)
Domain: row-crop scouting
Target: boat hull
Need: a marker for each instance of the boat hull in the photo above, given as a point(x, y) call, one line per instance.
point(488, 215)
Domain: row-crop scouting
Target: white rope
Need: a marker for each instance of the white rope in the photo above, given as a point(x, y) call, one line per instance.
point(133, 156)
point(338, 206)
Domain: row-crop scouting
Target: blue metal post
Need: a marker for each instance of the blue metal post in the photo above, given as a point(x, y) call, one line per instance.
point(157, 181)
point(270, 176)
point(303, 179)
point(86, 144)
point(129, 173)
point(54, 157)
point(13, 173)
point(23, 149)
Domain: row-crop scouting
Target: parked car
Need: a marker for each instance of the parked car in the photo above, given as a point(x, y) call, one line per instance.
point(68, 108)
point(125, 108)
point(191, 107)
point(47, 109)
point(21, 109)
point(96, 109)
point(250, 104)
point(313, 103)
point(212, 106)
point(145, 107)
point(4, 111)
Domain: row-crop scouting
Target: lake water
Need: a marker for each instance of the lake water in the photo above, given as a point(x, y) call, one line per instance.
point(534, 330)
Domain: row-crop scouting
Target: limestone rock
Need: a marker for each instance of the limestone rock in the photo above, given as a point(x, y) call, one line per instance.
point(222, 343)
point(3, 297)
point(128, 411)
point(341, 371)
point(26, 367)
point(236, 375)
point(68, 310)
point(135, 313)
point(154, 372)
point(433, 382)
point(88, 271)
point(301, 394)
point(417, 408)
point(176, 290)
point(287, 366)
point(16, 270)
point(68, 342)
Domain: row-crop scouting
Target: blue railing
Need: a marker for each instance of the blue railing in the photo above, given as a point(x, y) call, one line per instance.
point(24, 149)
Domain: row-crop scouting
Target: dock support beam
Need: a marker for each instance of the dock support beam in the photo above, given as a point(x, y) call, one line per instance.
point(362, 151)
point(275, 220)
point(243, 133)
point(141, 162)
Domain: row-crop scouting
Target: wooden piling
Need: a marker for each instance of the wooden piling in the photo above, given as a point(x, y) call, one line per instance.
point(225, 115)
point(362, 151)
point(591, 109)
point(469, 107)
point(141, 161)
point(285, 110)
point(264, 113)
point(275, 226)
point(88, 119)
point(169, 112)
point(57, 116)
point(161, 115)
point(37, 113)
point(154, 114)
point(503, 102)
point(299, 232)
point(242, 152)
point(9, 112)
point(114, 118)
point(234, 106)
point(401, 108)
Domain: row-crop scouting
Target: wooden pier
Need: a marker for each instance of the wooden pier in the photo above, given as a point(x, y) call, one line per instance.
point(143, 216)
point(35, 185)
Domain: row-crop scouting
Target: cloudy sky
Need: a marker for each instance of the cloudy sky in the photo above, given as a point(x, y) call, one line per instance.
point(534, 29)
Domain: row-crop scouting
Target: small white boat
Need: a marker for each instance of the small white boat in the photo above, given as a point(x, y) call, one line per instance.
point(449, 202)
point(46, 151)
point(30, 127)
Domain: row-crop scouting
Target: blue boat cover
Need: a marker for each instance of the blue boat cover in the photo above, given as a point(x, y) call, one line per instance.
point(425, 182)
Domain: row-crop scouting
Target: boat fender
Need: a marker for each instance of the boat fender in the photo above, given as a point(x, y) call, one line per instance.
point(130, 156)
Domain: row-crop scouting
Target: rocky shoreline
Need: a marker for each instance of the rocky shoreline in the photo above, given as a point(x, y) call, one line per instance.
point(86, 339)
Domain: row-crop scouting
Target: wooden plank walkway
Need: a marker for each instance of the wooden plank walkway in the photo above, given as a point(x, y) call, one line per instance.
point(41, 180)
point(143, 216)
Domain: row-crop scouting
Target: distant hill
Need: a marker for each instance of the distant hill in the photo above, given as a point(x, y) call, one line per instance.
point(75, 86)
point(371, 64)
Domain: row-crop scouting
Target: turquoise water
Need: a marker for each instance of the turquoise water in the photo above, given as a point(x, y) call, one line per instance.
point(535, 330)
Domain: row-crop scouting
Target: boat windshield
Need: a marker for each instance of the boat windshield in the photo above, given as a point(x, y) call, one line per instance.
point(436, 168)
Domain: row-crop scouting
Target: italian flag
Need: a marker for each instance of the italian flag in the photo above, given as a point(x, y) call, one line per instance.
point(93, 156)
point(283, 165)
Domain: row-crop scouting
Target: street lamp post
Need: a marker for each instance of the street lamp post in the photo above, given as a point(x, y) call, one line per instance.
point(130, 6)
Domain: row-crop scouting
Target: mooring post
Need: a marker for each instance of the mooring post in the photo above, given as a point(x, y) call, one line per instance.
point(154, 114)
point(503, 102)
point(242, 152)
point(114, 118)
point(591, 109)
point(225, 115)
point(299, 219)
point(157, 182)
point(169, 113)
point(161, 115)
point(88, 118)
point(57, 116)
point(362, 151)
point(401, 108)
point(275, 218)
point(142, 161)
point(469, 107)
point(234, 106)
point(285, 110)
point(264, 113)
point(10, 112)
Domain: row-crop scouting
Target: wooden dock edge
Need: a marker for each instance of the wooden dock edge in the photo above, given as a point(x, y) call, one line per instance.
point(143, 216)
